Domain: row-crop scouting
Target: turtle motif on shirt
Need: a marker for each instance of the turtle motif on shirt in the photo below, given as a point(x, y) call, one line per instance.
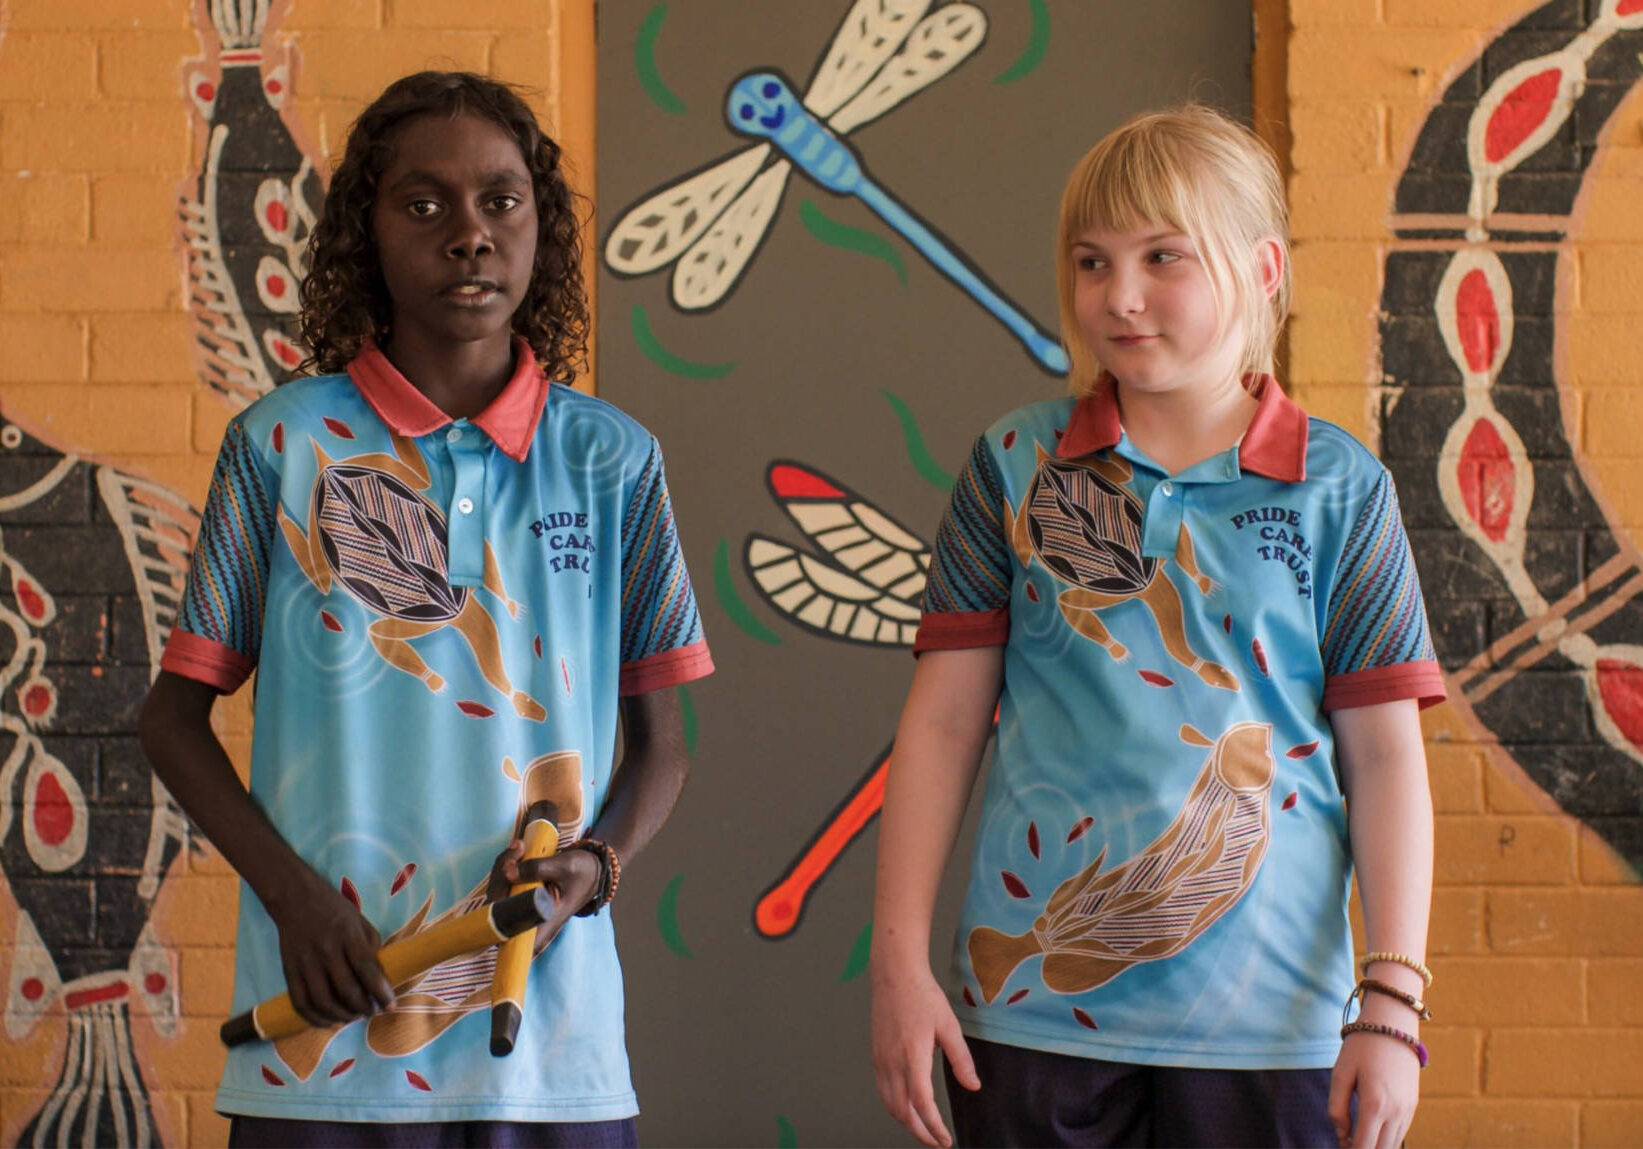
point(1082, 522)
point(372, 532)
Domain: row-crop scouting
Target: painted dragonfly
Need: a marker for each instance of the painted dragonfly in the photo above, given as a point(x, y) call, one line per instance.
point(865, 587)
point(711, 223)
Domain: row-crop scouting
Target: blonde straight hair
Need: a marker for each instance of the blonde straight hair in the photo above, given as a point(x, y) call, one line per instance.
point(1195, 170)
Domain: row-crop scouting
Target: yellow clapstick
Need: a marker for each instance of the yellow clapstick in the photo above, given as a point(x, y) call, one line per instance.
point(513, 958)
point(404, 959)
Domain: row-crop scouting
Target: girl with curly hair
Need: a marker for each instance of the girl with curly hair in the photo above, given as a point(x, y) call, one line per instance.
point(452, 578)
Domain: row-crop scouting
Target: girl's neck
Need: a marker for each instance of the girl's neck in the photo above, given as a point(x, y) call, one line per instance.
point(1181, 427)
point(460, 379)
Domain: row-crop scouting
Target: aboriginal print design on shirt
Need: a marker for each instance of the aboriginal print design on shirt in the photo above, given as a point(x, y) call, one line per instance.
point(1095, 926)
point(1082, 522)
point(371, 532)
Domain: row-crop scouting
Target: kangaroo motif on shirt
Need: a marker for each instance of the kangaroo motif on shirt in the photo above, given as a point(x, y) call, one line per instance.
point(1082, 522)
point(371, 531)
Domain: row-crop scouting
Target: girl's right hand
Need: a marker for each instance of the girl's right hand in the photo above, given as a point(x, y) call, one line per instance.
point(329, 952)
point(911, 1018)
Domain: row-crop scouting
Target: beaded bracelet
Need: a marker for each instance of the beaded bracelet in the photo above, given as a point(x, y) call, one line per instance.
point(610, 874)
point(1411, 1041)
point(1404, 960)
point(1370, 985)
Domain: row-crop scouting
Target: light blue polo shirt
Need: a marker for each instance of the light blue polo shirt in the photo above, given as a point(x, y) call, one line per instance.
point(1162, 867)
point(441, 616)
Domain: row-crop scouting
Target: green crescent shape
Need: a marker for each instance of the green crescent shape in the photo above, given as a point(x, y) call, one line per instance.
point(644, 62)
point(835, 234)
point(667, 360)
point(787, 1137)
point(687, 718)
point(1038, 42)
point(667, 918)
point(859, 953)
point(732, 602)
point(923, 462)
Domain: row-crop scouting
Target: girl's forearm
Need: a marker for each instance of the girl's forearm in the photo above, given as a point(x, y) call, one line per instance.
point(939, 741)
point(1389, 808)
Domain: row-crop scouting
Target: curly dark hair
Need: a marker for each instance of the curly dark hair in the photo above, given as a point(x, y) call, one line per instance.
point(344, 298)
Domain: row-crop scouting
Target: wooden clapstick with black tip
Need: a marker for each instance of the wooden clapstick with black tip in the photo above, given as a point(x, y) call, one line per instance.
point(513, 958)
point(404, 959)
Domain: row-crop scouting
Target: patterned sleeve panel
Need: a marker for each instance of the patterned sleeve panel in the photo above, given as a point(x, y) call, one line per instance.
point(967, 597)
point(1376, 646)
point(219, 630)
point(662, 641)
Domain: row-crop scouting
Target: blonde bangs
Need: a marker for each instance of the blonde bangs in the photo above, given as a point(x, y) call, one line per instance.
point(1194, 170)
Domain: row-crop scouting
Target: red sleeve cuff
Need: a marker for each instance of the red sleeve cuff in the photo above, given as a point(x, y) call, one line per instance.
point(670, 668)
point(205, 661)
point(1422, 681)
point(961, 630)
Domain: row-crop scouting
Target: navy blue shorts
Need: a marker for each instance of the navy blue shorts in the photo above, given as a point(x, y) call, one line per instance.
point(277, 1133)
point(1029, 1097)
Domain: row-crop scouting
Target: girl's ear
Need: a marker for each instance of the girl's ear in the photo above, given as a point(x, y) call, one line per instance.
point(1269, 253)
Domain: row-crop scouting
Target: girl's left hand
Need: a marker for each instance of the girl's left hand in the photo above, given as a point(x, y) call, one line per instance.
point(1384, 1074)
point(571, 876)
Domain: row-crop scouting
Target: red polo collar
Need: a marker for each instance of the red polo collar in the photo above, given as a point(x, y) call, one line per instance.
point(1274, 445)
point(510, 420)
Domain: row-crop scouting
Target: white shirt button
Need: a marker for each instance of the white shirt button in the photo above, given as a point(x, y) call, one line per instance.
point(465, 505)
point(1167, 487)
point(454, 435)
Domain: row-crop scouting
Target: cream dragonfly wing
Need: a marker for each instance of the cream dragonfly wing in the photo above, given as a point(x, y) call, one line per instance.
point(867, 584)
point(868, 35)
point(939, 43)
point(661, 228)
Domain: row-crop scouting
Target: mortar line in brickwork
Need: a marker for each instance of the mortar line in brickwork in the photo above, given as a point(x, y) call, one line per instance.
point(1494, 221)
point(1597, 580)
point(1400, 244)
point(1585, 622)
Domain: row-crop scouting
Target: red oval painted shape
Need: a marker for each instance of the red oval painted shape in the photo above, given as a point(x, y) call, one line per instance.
point(1079, 830)
point(276, 286)
point(274, 87)
point(406, 873)
point(1620, 685)
point(1153, 678)
point(1259, 653)
point(330, 621)
point(1032, 592)
point(1486, 477)
point(33, 989)
point(1032, 837)
point(286, 353)
point(537, 646)
point(1009, 439)
point(338, 428)
point(279, 438)
point(342, 1067)
point(795, 482)
point(475, 709)
point(1289, 802)
point(1477, 320)
point(1628, 7)
point(37, 700)
point(278, 217)
point(206, 90)
point(1304, 750)
point(31, 600)
point(1084, 1019)
point(155, 983)
point(271, 1077)
point(349, 892)
point(1017, 996)
point(1013, 885)
point(53, 812)
point(418, 1081)
point(1523, 110)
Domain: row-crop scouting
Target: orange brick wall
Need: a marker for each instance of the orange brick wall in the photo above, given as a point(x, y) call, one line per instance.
point(97, 140)
point(1537, 927)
